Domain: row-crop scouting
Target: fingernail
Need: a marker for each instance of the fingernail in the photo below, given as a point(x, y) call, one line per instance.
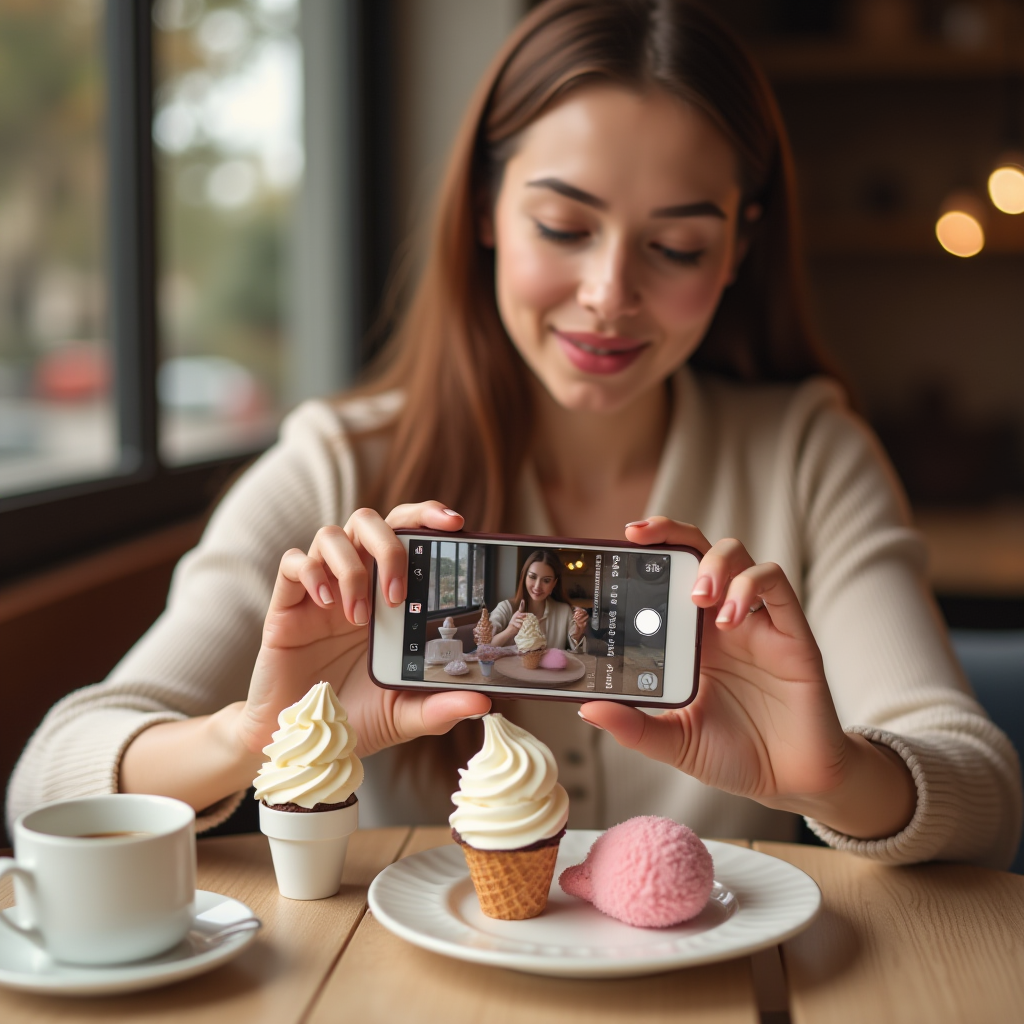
point(702, 588)
point(639, 522)
point(451, 512)
point(395, 591)
point(588, 721)
point(325, 594)
point(360, 614)
point(725, 616)
point(474, 718)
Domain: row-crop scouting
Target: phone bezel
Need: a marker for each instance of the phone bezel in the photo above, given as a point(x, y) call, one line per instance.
point(512, 692)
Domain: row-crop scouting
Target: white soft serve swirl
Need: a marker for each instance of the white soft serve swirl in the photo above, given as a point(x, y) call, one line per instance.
point(310, 756)
point(509, 796)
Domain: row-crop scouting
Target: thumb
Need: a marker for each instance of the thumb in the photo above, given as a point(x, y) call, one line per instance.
point(662, 738)
point(435, 713)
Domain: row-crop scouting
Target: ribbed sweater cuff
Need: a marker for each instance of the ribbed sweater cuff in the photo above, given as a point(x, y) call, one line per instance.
point(955, 813)
point(92, 764)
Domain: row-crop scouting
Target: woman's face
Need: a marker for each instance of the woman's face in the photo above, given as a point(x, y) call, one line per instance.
point(615, 234)
point(540, 581)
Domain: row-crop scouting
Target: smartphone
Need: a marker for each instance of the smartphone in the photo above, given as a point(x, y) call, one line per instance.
point(640, 643)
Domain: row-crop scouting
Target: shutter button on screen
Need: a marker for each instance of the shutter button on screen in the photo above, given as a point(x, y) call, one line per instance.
point(647, 622)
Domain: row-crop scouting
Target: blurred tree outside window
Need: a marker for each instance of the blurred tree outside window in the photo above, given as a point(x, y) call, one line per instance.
point(57, 418)
point(227, 129)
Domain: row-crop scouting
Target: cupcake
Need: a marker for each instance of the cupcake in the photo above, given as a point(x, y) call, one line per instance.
point(531, 642)
point(306, 790)
point(510, 814)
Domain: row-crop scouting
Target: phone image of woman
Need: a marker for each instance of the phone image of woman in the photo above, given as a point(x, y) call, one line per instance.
point(540, 592)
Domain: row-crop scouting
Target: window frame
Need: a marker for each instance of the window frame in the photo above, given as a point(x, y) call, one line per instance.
point(49, 525)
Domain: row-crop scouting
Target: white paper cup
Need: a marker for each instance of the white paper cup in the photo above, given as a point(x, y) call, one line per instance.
point(309, 849)
point(123, 897)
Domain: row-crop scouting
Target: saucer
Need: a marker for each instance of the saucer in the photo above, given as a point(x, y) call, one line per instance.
point(23, 965)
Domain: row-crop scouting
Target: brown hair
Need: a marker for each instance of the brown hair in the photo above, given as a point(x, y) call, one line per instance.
point(466, 393)
point(548, 558)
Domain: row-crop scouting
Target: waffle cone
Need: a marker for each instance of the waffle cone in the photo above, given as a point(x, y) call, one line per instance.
point(511, 885)
point(531, 659)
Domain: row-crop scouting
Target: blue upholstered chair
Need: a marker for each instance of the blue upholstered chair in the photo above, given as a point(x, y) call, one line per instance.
point(994, 663)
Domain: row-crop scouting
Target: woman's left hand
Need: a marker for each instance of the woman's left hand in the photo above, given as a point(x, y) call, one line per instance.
point(763, 724)
point(579, 618)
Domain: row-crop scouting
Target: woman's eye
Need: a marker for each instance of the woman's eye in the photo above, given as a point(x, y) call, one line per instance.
point(689, 259)
point(554, 235)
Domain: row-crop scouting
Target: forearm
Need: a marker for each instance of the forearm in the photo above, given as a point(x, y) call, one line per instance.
point(199, 760)
point(875, 799)
point(504, 637)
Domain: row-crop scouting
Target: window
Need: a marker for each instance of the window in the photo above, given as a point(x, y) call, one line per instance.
point(227, 125)
point(173, 275)
point(459, 572)
point(57, 419)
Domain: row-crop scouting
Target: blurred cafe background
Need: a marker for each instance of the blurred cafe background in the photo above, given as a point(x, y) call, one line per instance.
point(202, 203)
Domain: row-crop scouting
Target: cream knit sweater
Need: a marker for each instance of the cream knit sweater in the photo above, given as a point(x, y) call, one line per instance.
point(787, 470)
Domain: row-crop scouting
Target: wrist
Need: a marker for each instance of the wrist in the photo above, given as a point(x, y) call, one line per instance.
point(875, 797)
point(226, 735)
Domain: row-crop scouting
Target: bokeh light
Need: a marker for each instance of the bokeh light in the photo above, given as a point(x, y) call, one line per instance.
point(960, 233)
point(1006, 188)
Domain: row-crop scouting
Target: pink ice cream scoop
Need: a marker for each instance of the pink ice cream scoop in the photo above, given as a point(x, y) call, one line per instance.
point(649, 872)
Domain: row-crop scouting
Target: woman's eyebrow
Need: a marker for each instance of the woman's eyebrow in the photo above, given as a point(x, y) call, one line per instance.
point(705, 208)
point(563, 188)
point(702, 209)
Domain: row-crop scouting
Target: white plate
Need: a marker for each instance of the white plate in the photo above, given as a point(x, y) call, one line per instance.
point(757, 901)
point(24, 966)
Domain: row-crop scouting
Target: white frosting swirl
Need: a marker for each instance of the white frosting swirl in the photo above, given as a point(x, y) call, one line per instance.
point(509, 796)
point(310, 756)
point(530, 636)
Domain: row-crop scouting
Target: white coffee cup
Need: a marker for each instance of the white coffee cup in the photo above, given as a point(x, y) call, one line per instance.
point(104, 879)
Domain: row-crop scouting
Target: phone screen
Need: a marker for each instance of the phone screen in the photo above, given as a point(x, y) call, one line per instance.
point(617, 646)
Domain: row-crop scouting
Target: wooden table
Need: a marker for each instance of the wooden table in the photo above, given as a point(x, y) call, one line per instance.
point(935, 943)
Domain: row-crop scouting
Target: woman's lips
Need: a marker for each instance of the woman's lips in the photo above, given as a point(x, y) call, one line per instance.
point(598, 353)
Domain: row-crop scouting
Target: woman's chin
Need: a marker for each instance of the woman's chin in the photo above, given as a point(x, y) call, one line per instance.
point(603, 396)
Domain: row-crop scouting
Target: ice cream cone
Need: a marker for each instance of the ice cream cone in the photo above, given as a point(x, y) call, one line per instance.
point(531, 659)
point(511, 885)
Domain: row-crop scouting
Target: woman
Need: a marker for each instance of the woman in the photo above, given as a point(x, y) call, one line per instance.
point(610, 330)
point(540, 592)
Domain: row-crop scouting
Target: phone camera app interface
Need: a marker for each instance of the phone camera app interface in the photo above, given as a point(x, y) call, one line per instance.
point(600, 617)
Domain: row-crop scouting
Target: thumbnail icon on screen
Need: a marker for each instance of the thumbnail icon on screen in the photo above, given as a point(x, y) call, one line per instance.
point(415, 607)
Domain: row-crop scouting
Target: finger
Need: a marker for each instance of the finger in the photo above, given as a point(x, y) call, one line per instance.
point(663, 738)
point(661, 530)
point(374, 539)
point(765, 583)
point(432, 515)
point(435, 713)
point(522, 605)
point(724, 560)
point(332, 546)
point(299, 576)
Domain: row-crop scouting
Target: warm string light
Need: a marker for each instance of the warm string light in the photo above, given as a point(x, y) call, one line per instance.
point(1006, 188)
point(960, 227)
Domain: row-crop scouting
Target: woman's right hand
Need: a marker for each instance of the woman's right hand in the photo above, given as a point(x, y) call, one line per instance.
point(518, 618)
point(316, 629)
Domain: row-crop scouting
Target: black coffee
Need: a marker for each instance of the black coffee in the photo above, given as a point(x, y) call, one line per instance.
point(110, 835)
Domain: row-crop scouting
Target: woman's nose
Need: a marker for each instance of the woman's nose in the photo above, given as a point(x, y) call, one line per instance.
point(609, 288)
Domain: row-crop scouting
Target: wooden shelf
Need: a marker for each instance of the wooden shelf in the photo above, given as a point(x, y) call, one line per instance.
point(975, 551)
point(828, 60)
